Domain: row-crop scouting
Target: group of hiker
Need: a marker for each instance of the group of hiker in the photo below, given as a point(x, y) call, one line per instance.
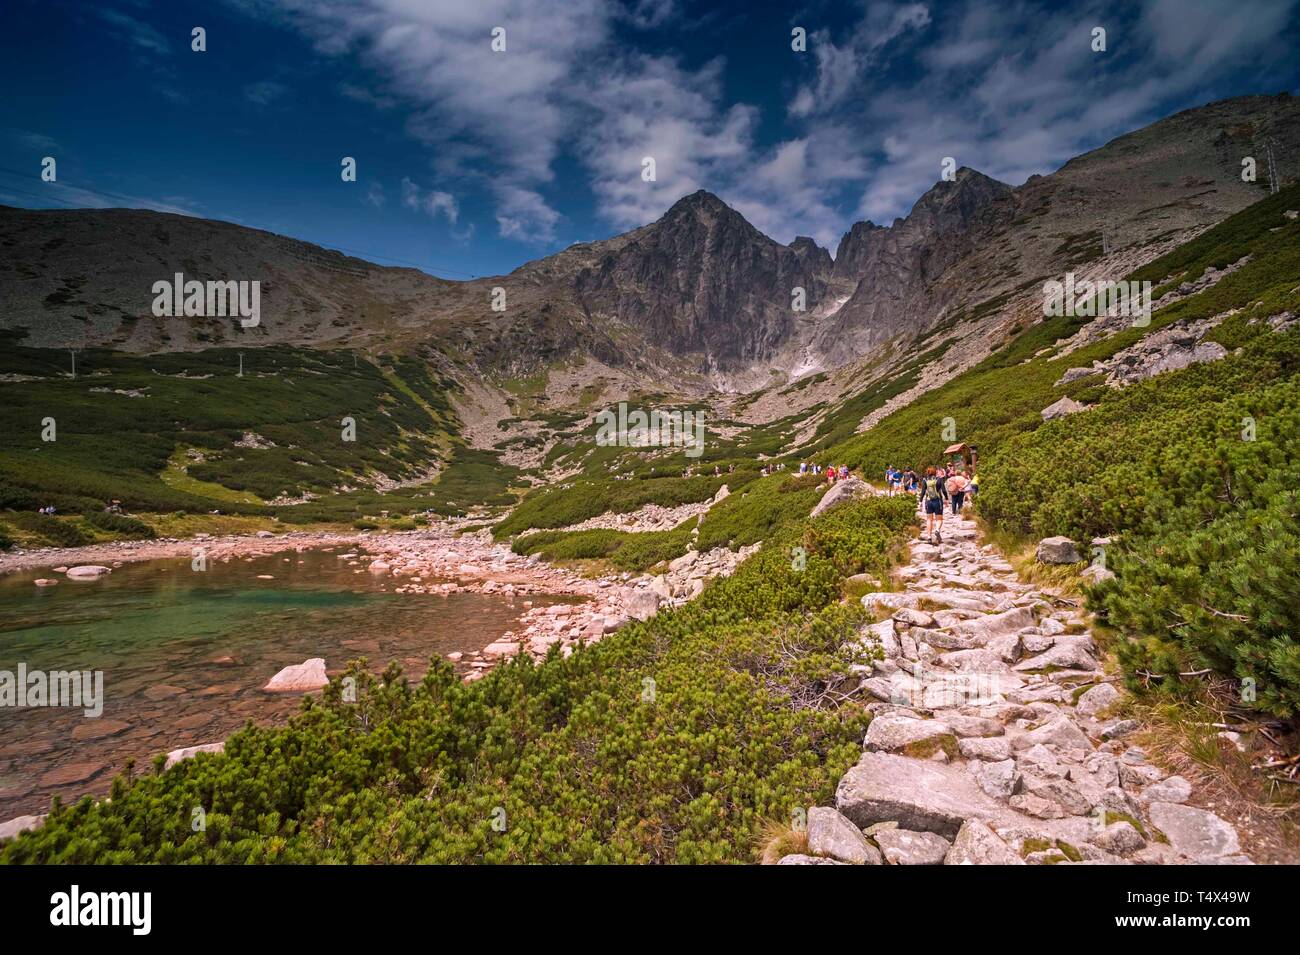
point(833, 472)
point(937, 485)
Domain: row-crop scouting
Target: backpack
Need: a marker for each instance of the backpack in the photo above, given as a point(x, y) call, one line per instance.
point(932, 489)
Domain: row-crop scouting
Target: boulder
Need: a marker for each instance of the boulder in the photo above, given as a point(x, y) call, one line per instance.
point(1058, 550)
point(642, 604)
point(19, 824)
point(831, 834)
point(977, 844)
point(299, 678)
point(905, 847)
point(917, 794)
point(1194, 833)
point(1099, 698)
point(1095, 574)
point(982, 629)
point(841, 491)
point(87, 571)
point(176, 755)
point(1061, 408)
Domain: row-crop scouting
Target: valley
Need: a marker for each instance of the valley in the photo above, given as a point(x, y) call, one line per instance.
point(720, 658)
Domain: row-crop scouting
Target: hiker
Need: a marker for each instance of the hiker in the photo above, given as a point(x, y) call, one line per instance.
point(956, 487)
point(974, 487)
point(932, 496)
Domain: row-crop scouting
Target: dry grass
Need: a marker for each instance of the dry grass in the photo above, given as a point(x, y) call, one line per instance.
point(1183, 738)
point(778, 839)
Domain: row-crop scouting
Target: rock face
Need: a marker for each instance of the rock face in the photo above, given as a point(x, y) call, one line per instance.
point(703, 280)
point(1058, 550)
point(299, 678)
point(888, 272)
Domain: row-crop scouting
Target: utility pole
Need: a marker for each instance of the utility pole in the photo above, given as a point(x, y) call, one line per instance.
point(73, 353)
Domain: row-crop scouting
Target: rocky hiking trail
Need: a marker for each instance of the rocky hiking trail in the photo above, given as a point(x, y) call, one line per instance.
point(992, 739)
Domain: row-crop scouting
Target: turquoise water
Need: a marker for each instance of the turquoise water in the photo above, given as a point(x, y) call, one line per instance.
point(184, 654)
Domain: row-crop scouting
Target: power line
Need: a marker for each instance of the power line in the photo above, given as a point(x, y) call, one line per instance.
point(134, 201)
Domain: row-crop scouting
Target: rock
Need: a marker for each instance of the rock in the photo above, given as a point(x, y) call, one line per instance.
point(1067, 652)
point(265, 534)
point(1060, 734)
point(994, 749)
point(176, 755)
point(905, 847)
point(845, 490)
point(44, 582)
point(983, 629)
point(884, 634)
point(1194, 833)
point(913, 617)
point(299, 678)
point(19, 824)
point(88, 571)
point(916, 794)
point(642, 604)
point(966, 726)
point(831, 834)
point(977, 844)
point(1058, 550)
point(380, 567)
point(1119, 729)
point(1120, 838)
point(919, 739)
point(998, 779)
point(1037, 806)
point(1099, 698)
point(1095, 574)
point(1061, 408)
point(98, 729)
point(797, 859)
point(1173, 789)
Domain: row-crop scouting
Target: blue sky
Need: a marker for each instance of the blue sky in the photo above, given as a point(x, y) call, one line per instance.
point(471, 162)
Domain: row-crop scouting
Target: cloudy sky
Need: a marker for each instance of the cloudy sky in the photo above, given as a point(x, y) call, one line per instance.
point(471, 161)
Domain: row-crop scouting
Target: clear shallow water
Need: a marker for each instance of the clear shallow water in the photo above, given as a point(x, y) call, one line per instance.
point(185, 654)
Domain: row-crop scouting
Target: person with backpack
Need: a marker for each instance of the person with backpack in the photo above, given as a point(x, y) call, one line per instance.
point(956, 485)
point(933, 494)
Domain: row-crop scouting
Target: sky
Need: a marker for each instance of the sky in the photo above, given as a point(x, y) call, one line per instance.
point(472, 160)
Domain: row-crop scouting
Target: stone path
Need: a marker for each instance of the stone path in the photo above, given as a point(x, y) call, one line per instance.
point(993, 740)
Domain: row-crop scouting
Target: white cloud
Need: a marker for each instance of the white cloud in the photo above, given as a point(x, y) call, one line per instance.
point(433, 202)
point(265, 92)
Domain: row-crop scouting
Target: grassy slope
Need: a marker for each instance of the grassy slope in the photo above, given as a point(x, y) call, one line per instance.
point(1208, 548)
point(170, 444)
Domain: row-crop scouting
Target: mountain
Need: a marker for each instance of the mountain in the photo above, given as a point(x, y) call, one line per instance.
point(697, 300)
